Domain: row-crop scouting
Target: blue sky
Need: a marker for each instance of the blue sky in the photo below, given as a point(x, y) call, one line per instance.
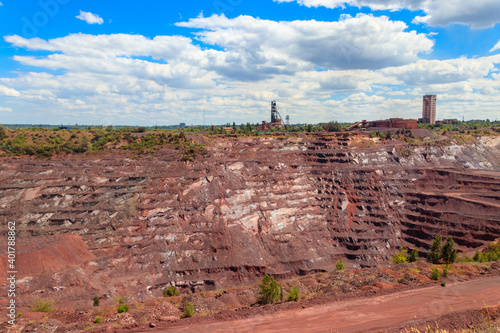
point(162, 62)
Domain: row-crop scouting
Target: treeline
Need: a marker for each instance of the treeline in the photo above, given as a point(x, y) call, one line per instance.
point(45, 143)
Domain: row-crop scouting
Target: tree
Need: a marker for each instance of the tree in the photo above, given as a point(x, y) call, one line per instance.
point(449, 252)
point(2, 132)
point(188, 310)
point(413, 255)
point(269, 290)
point(340, 265)
point(434, 253)
point(293, 295)
point(435, 274)
point(401, 256)
point(96, 301)
point(334, 126)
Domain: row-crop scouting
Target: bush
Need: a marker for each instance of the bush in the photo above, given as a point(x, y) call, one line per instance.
point(434, 254)
point(96, 301)
point(122, 308)
point(443, 284)
point(43, 305)
point(269, 290)
point(121, 300)
point(170, 291)
point(98, 320)
point(435, 274)
point(401, 256)
point(445, 272)
point(413, 255)
point(293, 295)
point(188, 310)
point(340, 265)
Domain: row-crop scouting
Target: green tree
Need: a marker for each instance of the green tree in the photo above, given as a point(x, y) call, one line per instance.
point(449, 252)
point(293, 295)
point(334, 126)
point(3, 132)
point(170, 291)
point(122, 308)
point(401, 256)
point(340, 265)
point(269, 290)
point(434, 253)
point(413, 255)
point(435, 274)
point(188, 310)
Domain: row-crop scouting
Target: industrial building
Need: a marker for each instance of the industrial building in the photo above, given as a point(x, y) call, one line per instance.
point(388, 123)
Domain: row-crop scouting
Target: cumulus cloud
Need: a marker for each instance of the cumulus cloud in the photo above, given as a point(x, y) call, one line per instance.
point(90, 18)
point(357, 42)
point(9, 92)
point(428, 72)
point(478, 14)
point(496, 47)
point(361, 67)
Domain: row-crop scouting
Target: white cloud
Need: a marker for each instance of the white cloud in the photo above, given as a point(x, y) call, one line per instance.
point(9, 92)
point(478, 14)
point(496, 47)
point(283, 47)
point(90, 18)
point(1, 4)
point(359, 68)
point(3, 109)
point(428, 72)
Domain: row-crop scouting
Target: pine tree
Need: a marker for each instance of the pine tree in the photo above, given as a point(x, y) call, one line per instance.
point(434, 253)
point(449, 253)
point(414, 255)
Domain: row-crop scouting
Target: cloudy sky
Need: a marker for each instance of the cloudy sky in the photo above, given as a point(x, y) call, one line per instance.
point(216, 61)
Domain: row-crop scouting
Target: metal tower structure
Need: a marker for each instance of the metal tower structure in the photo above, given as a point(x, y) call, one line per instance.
point(275, 115)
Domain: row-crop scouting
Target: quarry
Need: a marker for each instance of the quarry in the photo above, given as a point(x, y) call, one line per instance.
point(109, 224)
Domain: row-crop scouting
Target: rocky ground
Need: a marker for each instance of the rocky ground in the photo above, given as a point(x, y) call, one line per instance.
point(317, 290)
point(111, 225)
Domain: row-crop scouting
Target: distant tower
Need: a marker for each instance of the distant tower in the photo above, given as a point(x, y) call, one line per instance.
point(429, 109)
point(274, 112)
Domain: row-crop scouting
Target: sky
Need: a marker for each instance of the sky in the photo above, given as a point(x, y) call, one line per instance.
point(218, 61)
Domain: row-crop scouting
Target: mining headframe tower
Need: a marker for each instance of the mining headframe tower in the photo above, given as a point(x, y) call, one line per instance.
point(276, 119)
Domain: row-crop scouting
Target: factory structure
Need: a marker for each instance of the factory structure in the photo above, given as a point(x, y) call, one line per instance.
point(276, 119)
point(428, 117)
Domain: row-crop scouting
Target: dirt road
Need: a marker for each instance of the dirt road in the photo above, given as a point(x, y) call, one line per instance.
point(365, 315)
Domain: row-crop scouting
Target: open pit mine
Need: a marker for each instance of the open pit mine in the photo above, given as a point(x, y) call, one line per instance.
point(109, 225)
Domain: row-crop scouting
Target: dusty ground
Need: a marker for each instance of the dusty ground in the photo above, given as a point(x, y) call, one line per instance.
point(378, 313)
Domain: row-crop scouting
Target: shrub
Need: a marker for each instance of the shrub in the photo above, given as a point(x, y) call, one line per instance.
point(170, 291)
point(449, 253)
point(98, 320)
point(121, 300)
point(340, 265)
point(401, 256)
point(413, 255)
point(269, 290)
point(43, 305)
point(188, 310)
point(96, 301)
point(435, 274)
point(293, 295)
point(434, 253)
point(445, 272)
point(122, 308)
point(443, 284)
